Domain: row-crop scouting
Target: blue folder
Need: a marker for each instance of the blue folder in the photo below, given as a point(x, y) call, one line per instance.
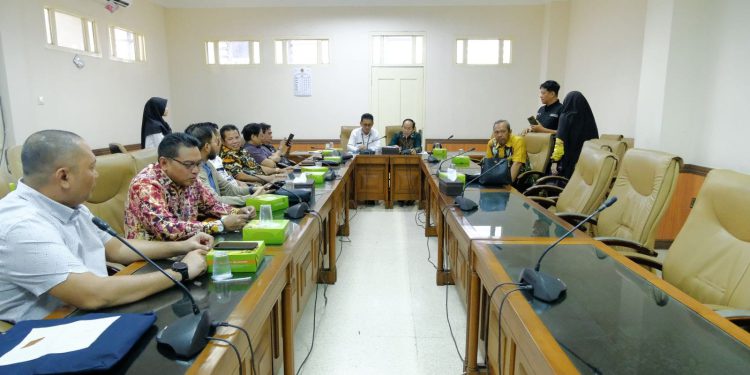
point(113, 344)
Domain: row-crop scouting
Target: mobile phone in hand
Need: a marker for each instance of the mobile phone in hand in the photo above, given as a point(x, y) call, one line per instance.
point(289, 139)
point(533, 121)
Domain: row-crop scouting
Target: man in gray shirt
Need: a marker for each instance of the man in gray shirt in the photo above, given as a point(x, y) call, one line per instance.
point(52, 254)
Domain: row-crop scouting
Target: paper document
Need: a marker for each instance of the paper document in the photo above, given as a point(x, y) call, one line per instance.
point(64, 338)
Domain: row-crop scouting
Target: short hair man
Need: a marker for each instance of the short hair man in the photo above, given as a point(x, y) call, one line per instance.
point(505, 145)
point(408, 139)
point(365, 137)
point(239, 163)
point(166, 199)
point(52, 254)
point(258, 138)
point(228, 193)
point(548, 115)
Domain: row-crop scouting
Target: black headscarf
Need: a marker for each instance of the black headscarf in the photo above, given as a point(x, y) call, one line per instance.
point(577, 125)
point(153, 121)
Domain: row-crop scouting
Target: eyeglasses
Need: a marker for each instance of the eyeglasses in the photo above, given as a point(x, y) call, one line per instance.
point(188, 164)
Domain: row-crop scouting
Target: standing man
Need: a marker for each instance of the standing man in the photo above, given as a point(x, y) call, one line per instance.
point(548, 114)
point(505, 145)
point(365, 137)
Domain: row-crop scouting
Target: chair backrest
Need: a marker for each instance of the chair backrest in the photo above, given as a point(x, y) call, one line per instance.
point(589, 183)
point(710, 258)
point(539, 149)
point(391, 131)
point(143, 158)
point(117, 148)
point(612, 137)
point(13, 158)
point(616, 147)
point(111, 190)
point(346, 131)
point(644, 188)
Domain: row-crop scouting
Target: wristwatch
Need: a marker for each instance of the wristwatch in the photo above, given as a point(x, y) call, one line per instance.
point(182, 269)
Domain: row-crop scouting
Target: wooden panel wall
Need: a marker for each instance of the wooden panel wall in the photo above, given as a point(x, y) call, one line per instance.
point(688, 185)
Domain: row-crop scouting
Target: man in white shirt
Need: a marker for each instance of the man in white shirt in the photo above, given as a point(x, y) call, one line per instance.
point(365, 137)
point(52, 254)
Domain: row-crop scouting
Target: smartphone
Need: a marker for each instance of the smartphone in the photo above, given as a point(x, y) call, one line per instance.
point(533, 121)
point(289, 139)
point(236, 245)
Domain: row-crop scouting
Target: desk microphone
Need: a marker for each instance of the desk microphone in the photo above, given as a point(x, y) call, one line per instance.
point(548, 288)
point(431, 159)
point(437, 172)
point(466, 204)
point(298, 210)
point(367, 151)
point(187, 335)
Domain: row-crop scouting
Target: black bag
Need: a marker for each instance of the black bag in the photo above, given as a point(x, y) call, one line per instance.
point(494, 174)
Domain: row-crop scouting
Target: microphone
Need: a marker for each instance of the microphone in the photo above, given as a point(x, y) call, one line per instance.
point(431, 159)
point(186, 335)
point(297, 211)
point(367, 151)
point(466, 204)
point(548, 288)
point(437, 172)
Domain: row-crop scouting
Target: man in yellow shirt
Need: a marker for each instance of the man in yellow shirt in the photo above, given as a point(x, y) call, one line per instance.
point(505, 145)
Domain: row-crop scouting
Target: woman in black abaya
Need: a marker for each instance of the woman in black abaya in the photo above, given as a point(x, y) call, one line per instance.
point(577, 125)
point(153, 126)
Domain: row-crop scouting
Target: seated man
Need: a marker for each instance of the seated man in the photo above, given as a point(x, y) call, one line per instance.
point(225, 191)
point(365, 137)
point(52, 254)
point(166, 199)
point(258, 138)
point(408, 139)
point(505, 145)
point(240, 164)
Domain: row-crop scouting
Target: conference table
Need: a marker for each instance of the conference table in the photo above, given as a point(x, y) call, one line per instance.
point(615, 317)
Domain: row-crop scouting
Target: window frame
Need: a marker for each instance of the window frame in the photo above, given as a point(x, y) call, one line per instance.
point(89, 30)
point(413, 34)
point(139, 41)
point(321, 61)
point(500, 56)
point(215, 44)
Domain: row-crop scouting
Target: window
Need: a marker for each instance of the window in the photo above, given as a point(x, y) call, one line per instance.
point(483, 51)
point(127, 45)
point(301, 51)
point(70, 31)
point(397, 50)
point(233, 52)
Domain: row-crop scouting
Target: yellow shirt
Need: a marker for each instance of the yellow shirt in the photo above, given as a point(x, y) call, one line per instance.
point(514, 149)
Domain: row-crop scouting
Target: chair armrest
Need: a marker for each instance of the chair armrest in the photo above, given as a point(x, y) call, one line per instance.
point(548, 179)
point(530, 174)
point(574, 218)
point(645, 260)
point(616, 241)
point(543, 201)
point(537, 189)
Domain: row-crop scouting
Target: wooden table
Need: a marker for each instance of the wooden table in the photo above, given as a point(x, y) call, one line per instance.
point(387, 178)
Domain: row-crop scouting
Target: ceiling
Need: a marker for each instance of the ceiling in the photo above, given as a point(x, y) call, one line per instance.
point(335, 3)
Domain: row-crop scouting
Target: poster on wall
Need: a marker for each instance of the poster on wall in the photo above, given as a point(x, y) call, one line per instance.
point(302, 82)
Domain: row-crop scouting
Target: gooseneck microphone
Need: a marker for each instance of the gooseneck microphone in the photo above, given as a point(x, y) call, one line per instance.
point(466, 204)
point(437, 172)
point(187, 335)
point(548, 288)
point(367, 151)
point(298, 210)
point(431, 159)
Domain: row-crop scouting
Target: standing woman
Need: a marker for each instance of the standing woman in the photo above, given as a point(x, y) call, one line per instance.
point(153, 126)
point(576, 126)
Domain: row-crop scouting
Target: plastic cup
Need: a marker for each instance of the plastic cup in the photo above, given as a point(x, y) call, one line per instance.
point(222, 270)
point(329, 146)
point(266, 213)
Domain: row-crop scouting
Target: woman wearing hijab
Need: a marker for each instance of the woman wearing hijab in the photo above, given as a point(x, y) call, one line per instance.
point(153, 126)
point(577, 125)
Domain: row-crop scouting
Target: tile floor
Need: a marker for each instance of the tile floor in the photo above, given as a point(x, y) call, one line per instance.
point(385, 314)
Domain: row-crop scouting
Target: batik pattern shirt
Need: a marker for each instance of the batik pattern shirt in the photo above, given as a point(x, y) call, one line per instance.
point(236, 161)
point(159, 209)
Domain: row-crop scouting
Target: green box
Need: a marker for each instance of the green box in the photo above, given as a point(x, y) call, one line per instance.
point(460, 177)
point(241, 260)
point(461, 161)
point(440, 153)
point(335, 159)
point(277, 202)
point(327, 152)
point(314, 169)
point(318, 177)
point(272, 232)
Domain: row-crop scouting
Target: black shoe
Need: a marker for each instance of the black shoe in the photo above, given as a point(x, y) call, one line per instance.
point(409, 203)
point(401, 203)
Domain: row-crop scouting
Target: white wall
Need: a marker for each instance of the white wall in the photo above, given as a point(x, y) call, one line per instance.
point(460, 100)
point(605, 44)
point(102, 102)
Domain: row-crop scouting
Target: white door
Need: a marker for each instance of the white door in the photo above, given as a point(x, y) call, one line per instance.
point(397, 93)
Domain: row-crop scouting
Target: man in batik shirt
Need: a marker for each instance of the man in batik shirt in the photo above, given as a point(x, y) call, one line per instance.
point(240, 164)
point(167, 201)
